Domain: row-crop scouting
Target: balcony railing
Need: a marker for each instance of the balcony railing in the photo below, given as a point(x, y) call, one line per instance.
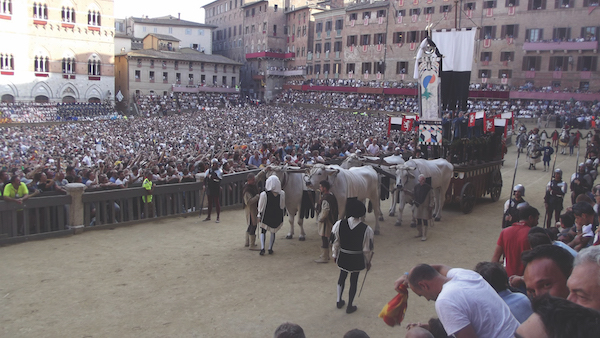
point(560, 45)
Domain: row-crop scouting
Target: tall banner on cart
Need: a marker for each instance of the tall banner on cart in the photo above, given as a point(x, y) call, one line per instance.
point(430, 133)
point(457, 47)
point(428, 75)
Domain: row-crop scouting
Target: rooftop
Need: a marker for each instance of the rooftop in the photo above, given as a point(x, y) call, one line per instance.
point(367, 5)
point(183, 54)
point(171, 21)
point(164, 37)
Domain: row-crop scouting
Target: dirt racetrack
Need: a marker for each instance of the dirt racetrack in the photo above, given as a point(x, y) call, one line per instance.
point(186, 278)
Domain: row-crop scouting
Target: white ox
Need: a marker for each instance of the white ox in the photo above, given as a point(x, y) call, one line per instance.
point(359, 182)
point(292, 183)
point(407, 176)
point(354, 160)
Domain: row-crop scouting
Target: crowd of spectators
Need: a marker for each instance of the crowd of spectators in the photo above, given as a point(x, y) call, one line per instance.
point(21, 112)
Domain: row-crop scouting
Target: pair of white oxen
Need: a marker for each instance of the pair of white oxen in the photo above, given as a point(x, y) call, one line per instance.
point(356, 177)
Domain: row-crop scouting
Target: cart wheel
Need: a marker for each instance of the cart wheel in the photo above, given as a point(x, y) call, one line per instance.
point(496, 185)
point(467, 198)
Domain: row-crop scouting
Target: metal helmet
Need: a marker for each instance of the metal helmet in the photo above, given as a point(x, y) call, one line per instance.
point(581, 165)
point(520, 188)
point(589, 161)
point(213, 161)
point(558, 171)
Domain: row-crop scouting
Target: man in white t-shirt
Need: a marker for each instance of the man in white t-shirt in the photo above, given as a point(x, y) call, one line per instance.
point(465, 303)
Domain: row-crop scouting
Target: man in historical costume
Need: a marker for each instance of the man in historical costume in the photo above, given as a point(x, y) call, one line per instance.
point(352, 250)
point(423, 206)
point(271, 206)
point(547, 151)
point(212, 182)
point(555, 193)
point(251, 196)
point(511, 207)
point(328, 214)
point(581, 183)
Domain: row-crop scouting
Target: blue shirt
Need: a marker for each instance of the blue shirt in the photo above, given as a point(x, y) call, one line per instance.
point(518, 303)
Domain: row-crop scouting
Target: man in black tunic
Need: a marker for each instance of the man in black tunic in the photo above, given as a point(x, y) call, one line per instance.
point(352, 249)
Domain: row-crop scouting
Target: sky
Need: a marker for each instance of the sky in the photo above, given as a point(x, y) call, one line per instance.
point(190, 9)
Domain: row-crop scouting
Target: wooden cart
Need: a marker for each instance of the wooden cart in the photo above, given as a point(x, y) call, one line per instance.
point(472, 182)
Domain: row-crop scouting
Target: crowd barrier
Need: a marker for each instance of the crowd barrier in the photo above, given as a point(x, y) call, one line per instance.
point(52, 215)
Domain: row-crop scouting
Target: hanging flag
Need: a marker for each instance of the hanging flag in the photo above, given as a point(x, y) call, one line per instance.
point(500, 125)
point(472, 120)
point(489, 125)
point(407, 124)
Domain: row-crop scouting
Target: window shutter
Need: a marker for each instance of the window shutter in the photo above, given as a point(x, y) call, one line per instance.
point(530, 5)
point(516, 31)
point(568, 33)
point(527, 34)
point(503, 31)
point(493, 32)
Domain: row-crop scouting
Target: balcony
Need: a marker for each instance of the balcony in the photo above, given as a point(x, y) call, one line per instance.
point(295, 72)
point(273, 55)
point(258, 77)
point(561, 45)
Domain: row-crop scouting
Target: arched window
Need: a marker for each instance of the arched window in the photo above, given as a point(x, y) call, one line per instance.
point(93, 67)
point(6, 7)
point(41, 64)
point(94, 18)
point(68, 14)
point(6, 61)
point(68, 65)
point(40, 11)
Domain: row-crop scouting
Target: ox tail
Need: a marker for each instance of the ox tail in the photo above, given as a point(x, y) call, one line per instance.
point(307, 206)
point(370, 209)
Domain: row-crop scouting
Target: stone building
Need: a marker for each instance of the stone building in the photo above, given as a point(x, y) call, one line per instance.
point(519, 42)
point(57, 51)
point(163, 66)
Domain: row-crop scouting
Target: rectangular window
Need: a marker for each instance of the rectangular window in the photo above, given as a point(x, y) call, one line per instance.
point(191, 66)
point(532, 63)
point(165, 77)
point(560, 4)
point(470, 6)
point(398, 37)
point(381, 13)
point(188, 31)
point(319, 27)
point(328, 26)
point(353, 16)
point(511, 3)
point(504, 73)
point(155, 30)
point(561, 34)
point(366, 68)
point(233, 84)
point(534, 35)
point(445, 8)
point(379, 39)
point(137, 74)
point(326, 68)
point(224, 80)
point(489, 4)
point(401, 12)
point(558, 63)
point(589, 33)
point(509, 31)
point(274, 30)
point(336, 68)
point(535, 5)
point(485, 73)
point(178, 77)
point(590, 3)
point(507, 56)
point(202, 66)
point(337, 46)
point(327, 47)
point(350, 68)
point(429, 10)
point(151, 75)
point(488, 32)
point(151, 63)
point(170, 30)
point(587, 63)
point(317, 48)
point(68, 64)
point(415, 11)
point(216, 68)
point(339, 24)
point(379, 67)
point(365, 40)
point(144, 29)
point(352, 40)
point(401, 67)
point(202, 78)
point(366, 15)
point(486, 56)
